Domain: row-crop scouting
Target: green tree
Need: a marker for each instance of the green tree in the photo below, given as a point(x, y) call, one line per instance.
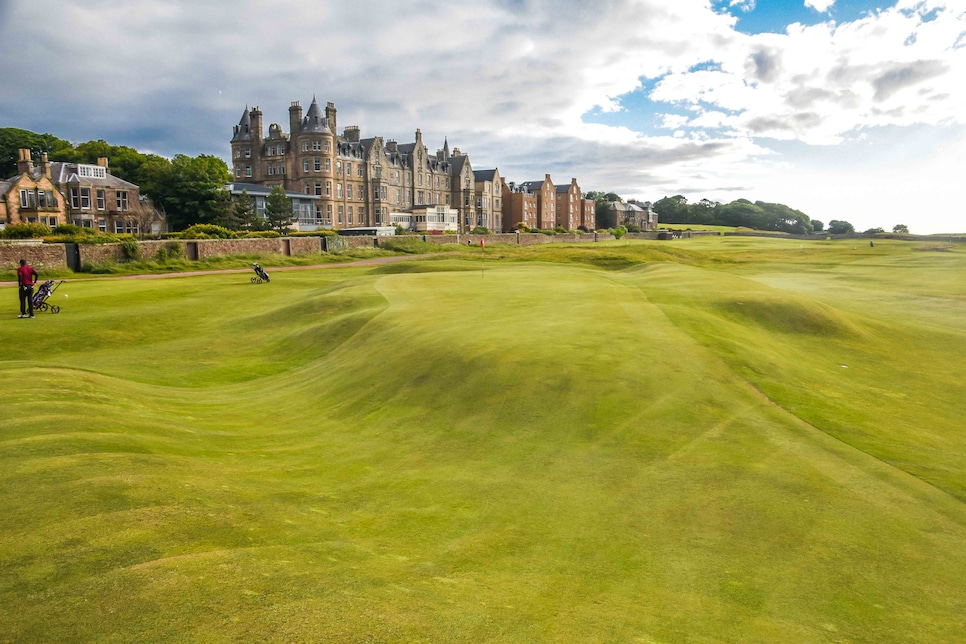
point(13, 139)
point(672, 210)
point(837, 227)
point(241, 214)
point(191, 190)
point(901, 228)
point(818, 226)
point(278, 209)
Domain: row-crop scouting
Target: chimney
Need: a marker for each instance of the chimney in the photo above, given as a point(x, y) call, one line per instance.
point(256, 116)
point(24, 164)
point(102, 161)
point(392, 146)
point(330, 115)
point(294, 117)
point(352, 133)
point(44, 165)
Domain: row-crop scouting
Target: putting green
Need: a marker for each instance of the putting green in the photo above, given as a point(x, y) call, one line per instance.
point(707, 445)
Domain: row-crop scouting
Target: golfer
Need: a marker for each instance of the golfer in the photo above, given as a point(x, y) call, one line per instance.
point(26, 278)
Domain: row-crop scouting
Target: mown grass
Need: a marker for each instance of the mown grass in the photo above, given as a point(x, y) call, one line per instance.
point(663, 446)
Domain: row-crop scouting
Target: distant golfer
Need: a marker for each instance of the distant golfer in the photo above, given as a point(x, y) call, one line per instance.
point(26, 278)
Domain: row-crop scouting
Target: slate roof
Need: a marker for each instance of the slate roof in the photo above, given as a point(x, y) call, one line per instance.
point(314, 120)
point(243, 131)
point(62, 173)
point(484, 175)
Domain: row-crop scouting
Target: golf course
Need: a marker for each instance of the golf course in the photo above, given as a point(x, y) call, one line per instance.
point(718, 439)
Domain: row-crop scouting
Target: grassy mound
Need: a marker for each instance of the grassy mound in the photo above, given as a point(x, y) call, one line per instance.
point(548, 451)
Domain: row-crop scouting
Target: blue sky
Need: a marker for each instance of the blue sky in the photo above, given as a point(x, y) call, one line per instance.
point(844, 109)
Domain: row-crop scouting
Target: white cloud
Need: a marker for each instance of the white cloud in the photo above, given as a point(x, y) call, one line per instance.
point(509, 81)
point(819, 5)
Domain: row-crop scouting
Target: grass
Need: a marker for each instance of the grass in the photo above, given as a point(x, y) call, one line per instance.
point(645, 441)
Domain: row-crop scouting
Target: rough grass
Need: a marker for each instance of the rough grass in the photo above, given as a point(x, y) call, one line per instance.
point(715, 442)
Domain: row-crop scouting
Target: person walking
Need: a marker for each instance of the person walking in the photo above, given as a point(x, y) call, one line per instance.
point(26, 278)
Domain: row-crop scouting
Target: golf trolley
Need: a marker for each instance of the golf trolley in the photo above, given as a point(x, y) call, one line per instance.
point(260, 274)
point(43, 294)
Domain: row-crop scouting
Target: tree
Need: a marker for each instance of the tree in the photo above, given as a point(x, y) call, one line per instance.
point(191, 190)
point(818, 226)
point(672, 210)
point(278, 209)
point(241, 214)
point(873, 231)
point(836, 227)
point(146, 216)
point(901, 228)
point(13, 139)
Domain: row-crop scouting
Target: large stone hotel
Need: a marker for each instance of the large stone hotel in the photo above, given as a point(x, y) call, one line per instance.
point(345, 181)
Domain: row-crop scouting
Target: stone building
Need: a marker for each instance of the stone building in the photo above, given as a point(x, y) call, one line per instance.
point(568, 206)
point(31, 197)
point(358, 182)
point(75, 193)
point(634, 213)
point(588, 215)
point(489, 199)
point(519, 207)
point(546, 201)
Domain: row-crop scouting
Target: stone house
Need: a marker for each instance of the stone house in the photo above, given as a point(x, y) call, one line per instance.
point(489, 199)
point(568, 205)
point(588, 214)
point(32, 196)
point(358, 181)
point(519, 207)
point(546, 201)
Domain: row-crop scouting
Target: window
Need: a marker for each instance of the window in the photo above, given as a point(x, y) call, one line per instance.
point(328, 188)
point(382, 192)
point(85, 198)
point(328, 164)
point(326, 146)
point(359, 169)
point(318, 188)
point(237, 153)
point(271, 150)
point(338, 168)
point(248, 170)
point(318, 212)
point(305, 146)
point(271, 168)
point(248, 152)
point(101, 200)
point(340, 214)
point(305, 165)
point(348, 191)
point(317, 145)
point(350, 215)
point(27, 199)
point(348, 169)
point(281, 168)
point(328, 212)
point(118, 226)
point(92, 171)
point(46, 199)
point(122, 200)
point(338, 191)
point(308, 188)
point(102, 225)
point(362, 213)
point(318, 164)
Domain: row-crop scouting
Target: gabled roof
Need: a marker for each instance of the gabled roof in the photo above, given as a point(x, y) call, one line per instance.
point(484, 175)
point(62, 173)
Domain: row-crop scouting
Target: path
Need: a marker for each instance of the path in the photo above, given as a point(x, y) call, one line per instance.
point(147, 276)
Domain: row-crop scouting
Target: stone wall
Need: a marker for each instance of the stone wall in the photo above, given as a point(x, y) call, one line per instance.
point(38, 255)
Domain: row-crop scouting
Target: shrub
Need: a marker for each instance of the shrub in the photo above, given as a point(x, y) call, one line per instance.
point(257, 234)
point(480, 230)
point(207, 231)
point(25, 231)
point(618, 232)
point(131, 248)
point(169, 250)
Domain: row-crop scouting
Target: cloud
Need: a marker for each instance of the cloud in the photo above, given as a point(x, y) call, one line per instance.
point(819, 5)
point(686, 97)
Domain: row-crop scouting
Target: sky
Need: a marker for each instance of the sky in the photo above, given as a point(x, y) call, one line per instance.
point(844, 109)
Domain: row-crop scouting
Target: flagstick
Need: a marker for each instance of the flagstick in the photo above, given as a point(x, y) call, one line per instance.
point(482, 263)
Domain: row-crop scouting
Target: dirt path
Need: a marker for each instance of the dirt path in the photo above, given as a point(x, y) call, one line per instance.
point(150, 276)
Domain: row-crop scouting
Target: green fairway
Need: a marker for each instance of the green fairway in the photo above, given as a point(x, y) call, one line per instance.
point(710, 439)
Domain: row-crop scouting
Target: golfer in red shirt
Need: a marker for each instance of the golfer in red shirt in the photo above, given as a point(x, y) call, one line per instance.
point(26, 278)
